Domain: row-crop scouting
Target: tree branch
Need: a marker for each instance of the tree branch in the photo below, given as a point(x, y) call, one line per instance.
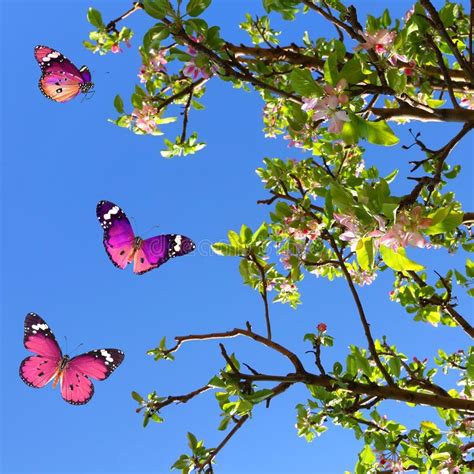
point(240, 332)
point(383, 392)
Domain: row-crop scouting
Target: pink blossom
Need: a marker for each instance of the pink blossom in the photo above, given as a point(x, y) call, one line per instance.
point(158, 60)
point(338, 91)
point(362, 277)
point(353, 232)
point(409, 14)
point(359, 168)
point(327, 107)
point(287, 287)
point(285, 260)
point(468, 101)
point(292, 141)
point(380, 41)
point(192, 70)
point(116, 48)
point(145, 118)
point(406, 231)
point(395, 58)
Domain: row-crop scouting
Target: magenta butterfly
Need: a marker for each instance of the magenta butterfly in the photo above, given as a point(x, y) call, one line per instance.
point(123, 247)
point(61, 80)
point(50, 363)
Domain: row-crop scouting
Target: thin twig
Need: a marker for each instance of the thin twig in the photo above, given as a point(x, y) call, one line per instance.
point(186, 116)
point(436, 300)
point(231, 433)
point(111, 26)
point(439, 57)
point(263, 293)
point(361, 312)
point(240, 332)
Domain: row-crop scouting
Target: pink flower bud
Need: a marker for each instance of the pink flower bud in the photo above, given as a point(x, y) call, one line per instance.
point(321, 327)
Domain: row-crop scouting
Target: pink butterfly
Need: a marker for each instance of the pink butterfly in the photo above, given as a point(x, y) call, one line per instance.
point(50, 364)
point(124, 247)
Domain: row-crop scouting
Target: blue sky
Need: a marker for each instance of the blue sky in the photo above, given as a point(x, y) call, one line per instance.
point(59, 160)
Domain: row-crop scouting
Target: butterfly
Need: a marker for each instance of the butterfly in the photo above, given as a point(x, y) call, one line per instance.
point(123, 247)
point(61, 80)
point(72, 374)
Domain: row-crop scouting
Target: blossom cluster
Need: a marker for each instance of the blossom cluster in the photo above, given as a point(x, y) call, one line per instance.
point(406, 231)
point(328, 107)
point(154, 64)
point(382, 42)
point(198, 65)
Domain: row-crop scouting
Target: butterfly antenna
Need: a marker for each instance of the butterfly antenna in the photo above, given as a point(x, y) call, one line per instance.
point(65, 343)
point(77, 347)
point(151, 228)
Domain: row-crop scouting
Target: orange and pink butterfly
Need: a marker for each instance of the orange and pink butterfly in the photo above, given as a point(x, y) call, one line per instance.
point(61, 81)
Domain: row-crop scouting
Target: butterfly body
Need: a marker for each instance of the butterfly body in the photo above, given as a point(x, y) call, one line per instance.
point(124, 247)
point(61, 81)
point(72, 374)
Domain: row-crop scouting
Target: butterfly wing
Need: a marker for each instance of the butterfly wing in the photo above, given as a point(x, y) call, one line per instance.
point(37, 371)
point(59, 87)
point(52, 61)
point(118, 233)
point(76, 388)
point(155, 251)
point(86, 74)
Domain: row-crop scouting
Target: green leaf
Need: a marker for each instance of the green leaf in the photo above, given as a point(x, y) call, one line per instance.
point(137, 397)
point(396, 80)
point(444, 220)
point(226, 250)
point(367, 456)
point(245, 234)
point(118, 104)
point(192, 441)
point(260, 234)
point(260, 395)
point(365, 253)
point(395, 366)
point(196, 7)
point(350, 133)
point(398, 260)
point(470, 268)
point(352, 71)
point(234, 238)
point(377, 133)
point(154, 36)
point(157, 8)
point(304, 84)
point(340, 197)
point(331, 73)
point(94, 17)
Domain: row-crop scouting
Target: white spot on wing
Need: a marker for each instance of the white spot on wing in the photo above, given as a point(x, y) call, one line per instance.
point(112, 211)
point(177, 241)
point(38, 326)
